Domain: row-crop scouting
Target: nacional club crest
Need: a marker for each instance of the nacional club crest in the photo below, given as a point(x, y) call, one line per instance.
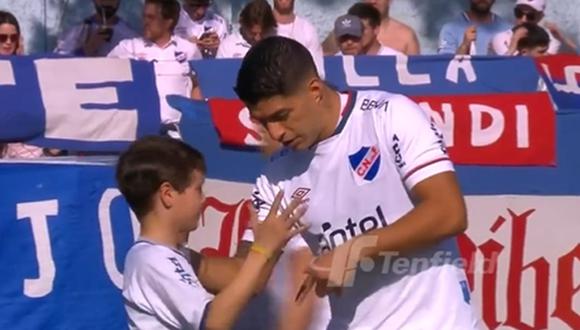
point(366, 162)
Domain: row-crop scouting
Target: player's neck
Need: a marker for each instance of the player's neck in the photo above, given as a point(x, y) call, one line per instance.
point(332, 116)
point(157, 231)
point(284, 18)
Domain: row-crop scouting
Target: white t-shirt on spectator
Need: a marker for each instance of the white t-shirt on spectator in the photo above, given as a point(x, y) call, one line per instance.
point(161, 290)
point(305, 33)
point(500, 43)
point(233, 46)
point(388, 51)
point(172, 69)
point(212, 22)
point(72, 40)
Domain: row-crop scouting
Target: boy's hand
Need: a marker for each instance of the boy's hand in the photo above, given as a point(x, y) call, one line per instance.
point(273, 233)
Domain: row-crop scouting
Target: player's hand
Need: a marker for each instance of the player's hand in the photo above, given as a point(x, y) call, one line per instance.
point(209, 41)
point(470, 35)
point(273, 233)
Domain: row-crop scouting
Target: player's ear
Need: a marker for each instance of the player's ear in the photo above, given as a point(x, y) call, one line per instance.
point(166, 195)
point(315, 89)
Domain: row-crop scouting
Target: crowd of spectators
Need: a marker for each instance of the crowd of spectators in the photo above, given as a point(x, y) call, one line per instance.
point(176, 32)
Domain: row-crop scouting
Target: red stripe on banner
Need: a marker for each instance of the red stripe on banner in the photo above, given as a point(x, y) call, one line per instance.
point(557, 65)
point(497, 129)
point(420, 167)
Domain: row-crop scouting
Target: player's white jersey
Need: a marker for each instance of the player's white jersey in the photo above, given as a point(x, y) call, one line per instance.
point(358, 180)
point(161, 290)
point(233, 46)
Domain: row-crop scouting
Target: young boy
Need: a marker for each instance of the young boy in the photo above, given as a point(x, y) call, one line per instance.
point(535, 42)
point(167, 286)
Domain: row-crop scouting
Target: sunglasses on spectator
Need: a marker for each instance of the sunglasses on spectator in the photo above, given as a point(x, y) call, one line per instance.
point(530, 15)
point(5, 37)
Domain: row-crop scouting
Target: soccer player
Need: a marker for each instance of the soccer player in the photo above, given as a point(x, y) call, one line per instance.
point(380, 187)
point(165, 285)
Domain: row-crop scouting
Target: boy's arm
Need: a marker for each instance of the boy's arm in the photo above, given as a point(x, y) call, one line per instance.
point(215, 273)
point(271, 235)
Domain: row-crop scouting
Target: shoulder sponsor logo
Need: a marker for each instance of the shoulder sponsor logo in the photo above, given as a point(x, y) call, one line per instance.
point(257, 201)
point(369, 104)
point(185, 277)
point(366, 162)
point(397, 150)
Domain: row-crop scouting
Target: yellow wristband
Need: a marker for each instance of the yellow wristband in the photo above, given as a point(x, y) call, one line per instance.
point(261, 250)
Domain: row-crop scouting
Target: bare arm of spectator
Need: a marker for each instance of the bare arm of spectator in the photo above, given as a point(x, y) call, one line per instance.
point(469, 37)
point(413, 47)
point(519, 33)
point(557, 33)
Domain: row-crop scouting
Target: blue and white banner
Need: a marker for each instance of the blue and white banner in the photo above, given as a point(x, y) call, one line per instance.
point(89, 104)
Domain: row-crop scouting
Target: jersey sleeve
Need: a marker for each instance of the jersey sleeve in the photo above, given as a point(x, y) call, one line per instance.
point(122, 50)
point(448, 42)
point(69, 43)
point(173, 292)
point(263, 195)
point(416, 144)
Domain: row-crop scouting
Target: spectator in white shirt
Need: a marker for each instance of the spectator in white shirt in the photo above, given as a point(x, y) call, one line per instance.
point(300, 29)
point(257, 22)
point(371, 21)
point(98, 34)
point(528, 11)
point(171, 55)
point(200, 24)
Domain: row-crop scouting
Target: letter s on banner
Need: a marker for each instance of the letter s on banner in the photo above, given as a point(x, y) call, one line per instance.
point(38, 213)
point(64, 115)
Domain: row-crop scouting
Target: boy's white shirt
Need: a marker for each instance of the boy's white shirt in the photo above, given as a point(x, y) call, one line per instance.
point(161, 290)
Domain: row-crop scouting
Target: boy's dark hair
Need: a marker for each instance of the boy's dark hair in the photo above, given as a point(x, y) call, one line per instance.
point(258, 12)
point(9, 18)
point(169, 10)
point(275, 66)
point(366, 11)
point(536, 37)
point(151, 161)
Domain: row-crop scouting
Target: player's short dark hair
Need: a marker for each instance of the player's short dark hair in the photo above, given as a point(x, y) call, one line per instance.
point(366, 11)
point(151, 161)
point(258, 12)
point(169, 10)
point(536, 37)
point(275, 66)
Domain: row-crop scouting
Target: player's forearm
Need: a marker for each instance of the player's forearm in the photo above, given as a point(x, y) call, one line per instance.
point(216, 273)
point(427, 224)
point(227, 305)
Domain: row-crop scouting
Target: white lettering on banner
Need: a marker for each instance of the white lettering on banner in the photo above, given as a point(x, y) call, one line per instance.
point(353, 79)
point(522, 126)
point(463, 63)
point(571, 85)
point(244, 117)
point(445, 123)
point(6, 73)
point(408, 78)
point(63, 100)
point(107, 236)
point(38, 213)
point(481, 136)
point(570, 73)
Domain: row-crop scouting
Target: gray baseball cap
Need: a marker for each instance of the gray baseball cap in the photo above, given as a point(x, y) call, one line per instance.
point(348, 25)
